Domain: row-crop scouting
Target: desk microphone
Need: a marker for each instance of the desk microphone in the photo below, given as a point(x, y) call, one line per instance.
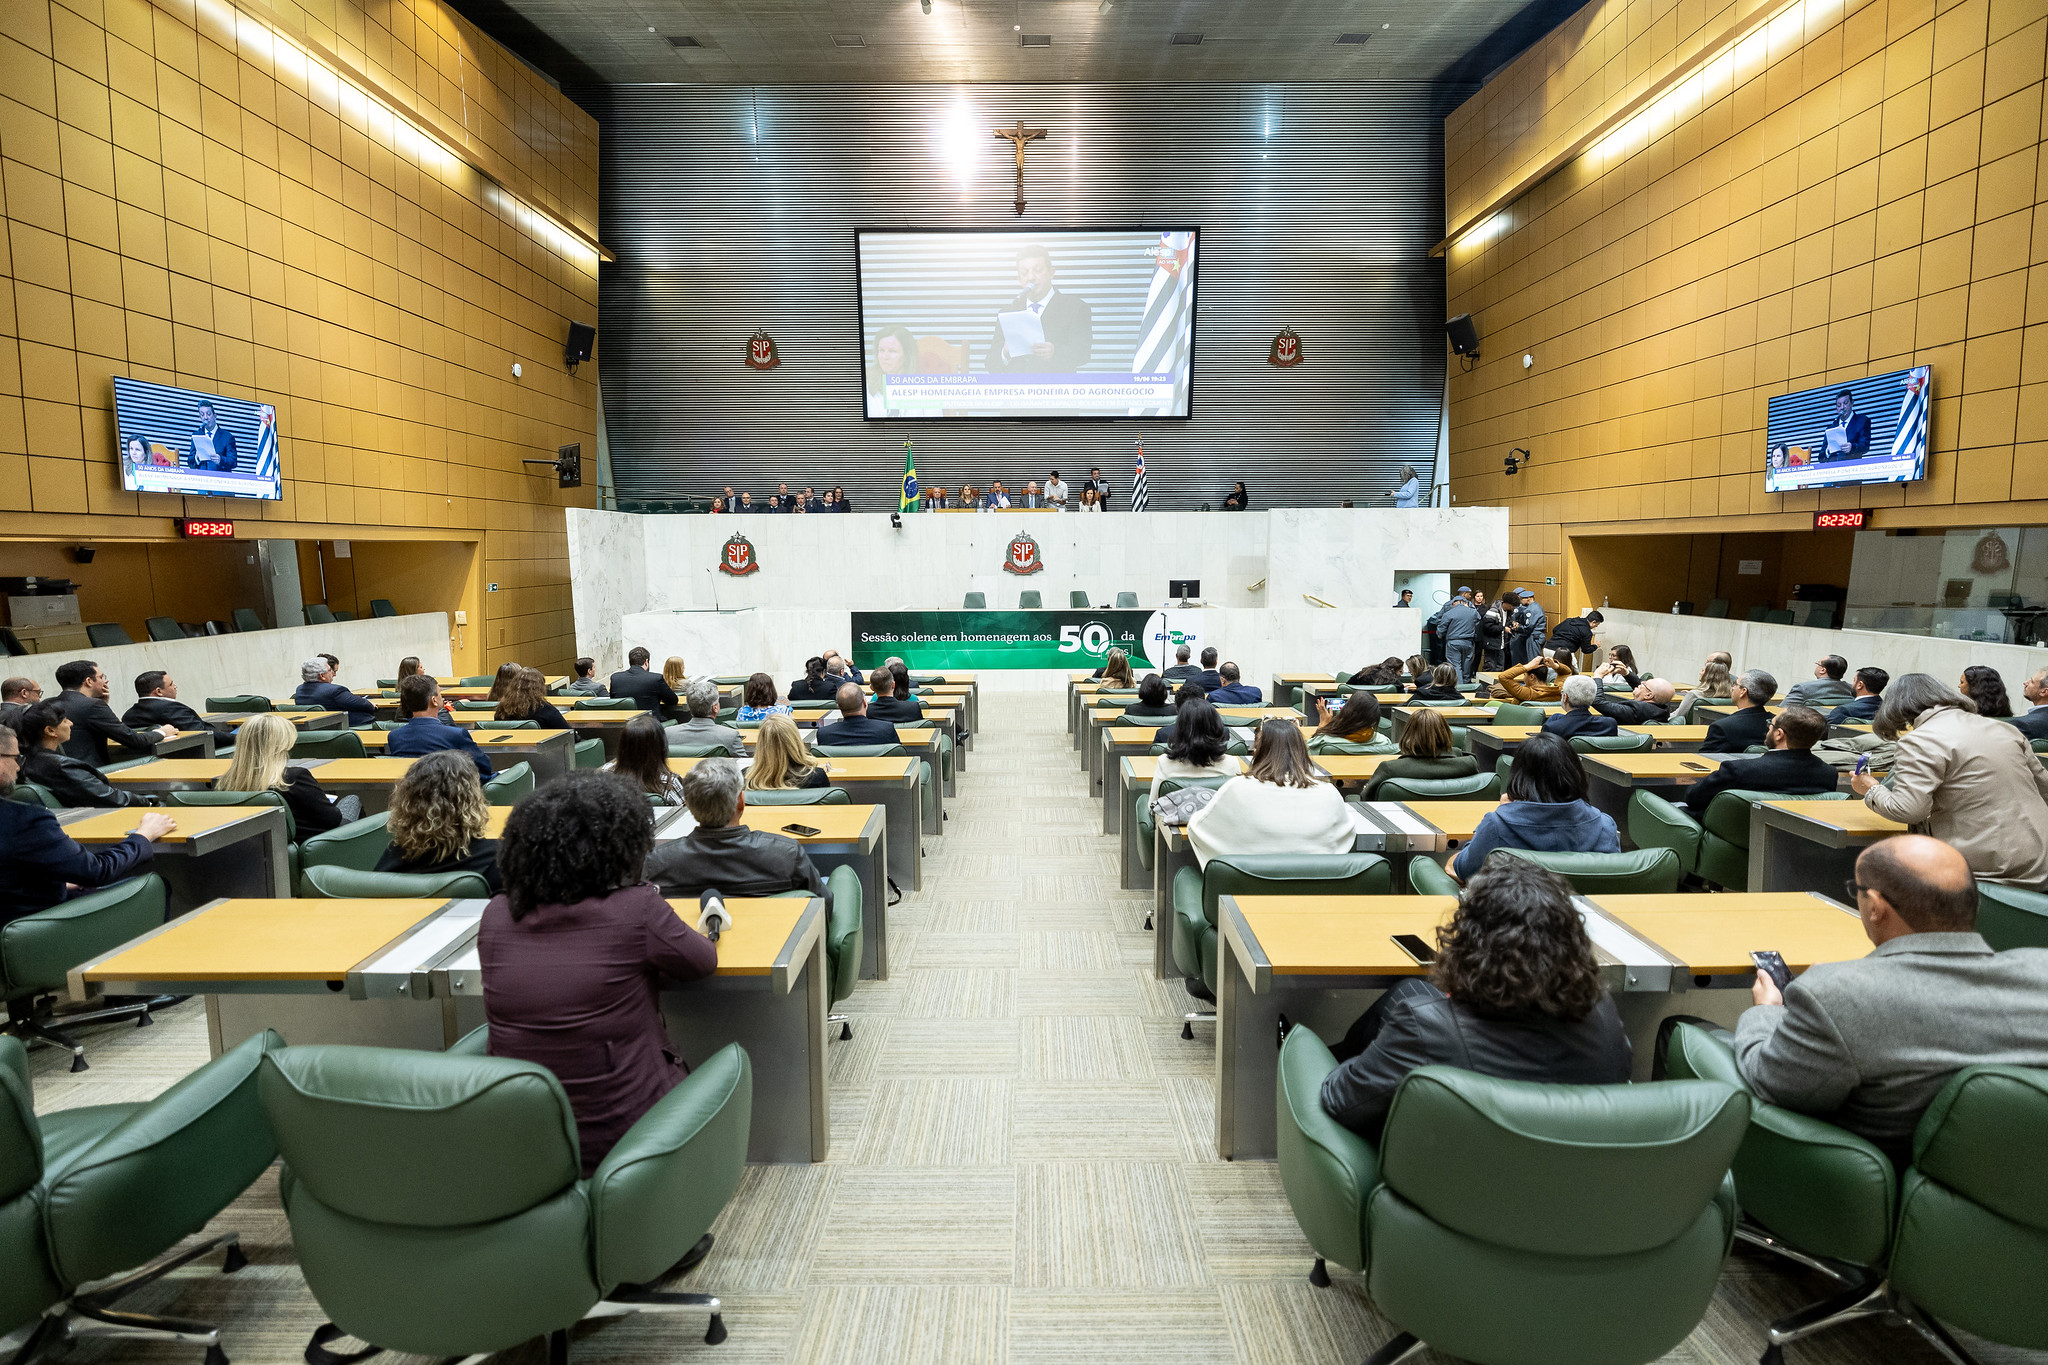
point(712, 916)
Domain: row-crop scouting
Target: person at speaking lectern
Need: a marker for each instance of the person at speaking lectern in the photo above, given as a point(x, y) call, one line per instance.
point(1041, 330)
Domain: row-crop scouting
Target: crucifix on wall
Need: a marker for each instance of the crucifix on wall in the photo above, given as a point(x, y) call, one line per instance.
point(1020, 135)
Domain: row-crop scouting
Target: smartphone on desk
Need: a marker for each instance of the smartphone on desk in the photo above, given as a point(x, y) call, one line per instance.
point(1771, 963)
point(1696, 767)
point(800, 831)
point(1415, 948)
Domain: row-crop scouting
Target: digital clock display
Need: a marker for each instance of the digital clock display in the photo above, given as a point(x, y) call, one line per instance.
point(207, 530)
point(1841, 521)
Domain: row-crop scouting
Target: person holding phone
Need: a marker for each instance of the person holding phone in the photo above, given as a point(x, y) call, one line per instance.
point(1514, 992)
point(724, 855)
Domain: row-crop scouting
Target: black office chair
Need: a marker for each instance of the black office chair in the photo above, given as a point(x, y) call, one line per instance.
point(381, 606)
point(164, 628)
point(105, 633)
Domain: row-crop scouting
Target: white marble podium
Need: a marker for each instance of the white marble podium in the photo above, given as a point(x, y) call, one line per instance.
point(656, 581)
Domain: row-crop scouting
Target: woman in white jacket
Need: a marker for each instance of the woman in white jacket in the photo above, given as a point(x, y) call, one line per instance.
point(1281, 806)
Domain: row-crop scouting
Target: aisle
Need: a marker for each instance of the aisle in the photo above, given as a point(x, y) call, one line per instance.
point(1023, 1160)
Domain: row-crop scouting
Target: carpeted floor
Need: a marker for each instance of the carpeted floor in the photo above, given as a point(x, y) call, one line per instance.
point(1023, 1160)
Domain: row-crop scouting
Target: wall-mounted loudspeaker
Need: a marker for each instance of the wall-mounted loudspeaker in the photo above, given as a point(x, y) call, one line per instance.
point(84, 553)
point(1464, 336)
point(569, 466)
point(576, 350)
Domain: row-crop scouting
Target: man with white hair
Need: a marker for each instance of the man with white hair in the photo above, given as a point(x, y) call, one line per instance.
point(702, 728)
point(721, 854)
point(1750, 723)
point(317, 687)
point(1579, 692)
point(2034, 724)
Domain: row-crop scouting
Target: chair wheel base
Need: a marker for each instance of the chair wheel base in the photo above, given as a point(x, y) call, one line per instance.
point(1319, 1274)
point(1187, 1030)
point(845, 1032)
point(78, 1062)
point(1148, 923)
point(216, 1356)
point(715, 1333)
point(234, 1260)
point(1773, 1355)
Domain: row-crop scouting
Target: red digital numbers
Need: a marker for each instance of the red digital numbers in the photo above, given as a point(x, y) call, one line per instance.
point(1841, 521)
point(207, 530)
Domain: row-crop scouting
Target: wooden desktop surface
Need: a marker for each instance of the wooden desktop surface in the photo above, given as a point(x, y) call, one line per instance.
point(487, 739)
point(850, 769)
point(835, 824)
point(241, 718)
point(1456, 715)
point(1716, 934)
point(111, 827)
point(267, 940)
point(1343, 935)
point(169, 770)
point(1669, 734)
point(1455, 819)
point(760, 928)
point(1851, 817)
point(908, 738)
point(1676, 766)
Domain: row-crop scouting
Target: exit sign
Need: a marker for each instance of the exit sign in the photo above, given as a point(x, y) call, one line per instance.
point(1841, 521)
point(194, 529)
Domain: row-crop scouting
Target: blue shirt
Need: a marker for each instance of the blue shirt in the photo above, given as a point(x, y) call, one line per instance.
point(1568, 723)
point(750, 714)
point(424, 735)
point(1541, 827)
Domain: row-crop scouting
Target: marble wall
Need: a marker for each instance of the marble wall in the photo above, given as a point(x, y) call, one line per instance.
point(260, 661)
point(1674, 647)
point(607, 580)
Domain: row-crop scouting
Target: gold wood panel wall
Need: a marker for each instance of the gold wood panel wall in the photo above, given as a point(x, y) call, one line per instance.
point(1857, 187)
point(192, 199)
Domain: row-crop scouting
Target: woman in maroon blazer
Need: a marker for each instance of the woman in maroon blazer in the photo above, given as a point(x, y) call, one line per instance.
point(575, 948)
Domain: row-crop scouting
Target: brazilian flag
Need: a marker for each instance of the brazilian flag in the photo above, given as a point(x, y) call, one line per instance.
point(911, 501)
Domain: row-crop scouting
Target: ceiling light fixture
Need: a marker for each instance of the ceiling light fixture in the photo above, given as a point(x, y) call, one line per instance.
point(1186, 40)
point(1034, 40)
point(683, 40)
point(1343, 38)
point(848, 40)
point(925, 5)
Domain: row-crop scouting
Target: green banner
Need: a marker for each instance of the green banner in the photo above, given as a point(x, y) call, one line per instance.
point(938, 640)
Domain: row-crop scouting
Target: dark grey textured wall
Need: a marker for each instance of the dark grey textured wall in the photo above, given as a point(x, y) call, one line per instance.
point(732, 208)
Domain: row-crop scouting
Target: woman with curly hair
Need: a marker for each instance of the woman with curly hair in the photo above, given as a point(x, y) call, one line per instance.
point(1986, 687)
point(438, 815)
point(525, 697)
point(575, 949)
point(1515, 992)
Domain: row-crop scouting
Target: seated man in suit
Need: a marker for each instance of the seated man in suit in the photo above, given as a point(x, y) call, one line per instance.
point(838, 670)
point(317, 687)
point(1182, 670)
point(887, 706)
point(1580, 691)
point(84, 699)
point(1649, 704)
point(16, 696)
point(854, 725)
point(585, 683)
point(702, 727)
point(1867, 1044)
point(39, 862)
point(1868, 688)
point(1825, 689)
point(2034, 724)
point(640, 683)
point(1031, 497)
point(1208, 679)
point(428, 727)
point(156, 703)
point(1231, 692)
point(1734, 734)
point(723, 855)
point(1790, 767)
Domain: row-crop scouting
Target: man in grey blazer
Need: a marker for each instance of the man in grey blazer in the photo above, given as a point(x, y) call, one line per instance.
point(1868, 1044)
point(702, 727)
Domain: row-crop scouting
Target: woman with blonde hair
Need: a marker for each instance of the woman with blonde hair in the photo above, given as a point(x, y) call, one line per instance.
point(1716, 684)
point(1283, 805)
point(437, 820)
point(781, 761)
point(1116, 671)
point(526, 698)
point(262, 747)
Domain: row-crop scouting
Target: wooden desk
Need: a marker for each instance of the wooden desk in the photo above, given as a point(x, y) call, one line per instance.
point(551, 753)
point(187, 744)
point(891, 783)
point(369, 778)
point(1714, 935)
point(1651, 769)
point(848, 836)
point(208, 854)
point(1811, 845)
point(1489, 743)
point(305, 720)
point(1723, 712)
point(1285, 684)
point(1119, 815)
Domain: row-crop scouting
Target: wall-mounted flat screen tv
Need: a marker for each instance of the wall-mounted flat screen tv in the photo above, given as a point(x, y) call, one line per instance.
point(201, 445)
point(1866, 431)
point(1011, 325)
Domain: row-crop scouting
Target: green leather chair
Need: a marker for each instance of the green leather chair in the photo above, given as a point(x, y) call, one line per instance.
point(1196, 892)
point(926, 796)
point(38, 950)
point(328, 744)
point(480, 680)
point(1127, 600)
point(1514, 713)
point(288, 707)
point(945, 745)
point(474, 704)
point(799, 796)
point(510, 787)
point(239, 704)
point(333, 882)
point(1613, 744)
point(1325, 744)
point(1478, 787)
point(1427, 877)
point(1964, 1238)
point(1029, 599)
point(1654, 822)
point(843, 934)
point(381, 606)
point(1724, 847)
point(702, 751)
point(1504, 1221)
point(1145, 826)
point(36, 794)
point(974, 601)
point(1639, 872)
point(2009, 917)
point(1077, 599)
point(111, 1189)
point(590, 753)
point(604, 704)
point(358, 845)
point(319, 614)
point(510, 725)
point(437, 1203)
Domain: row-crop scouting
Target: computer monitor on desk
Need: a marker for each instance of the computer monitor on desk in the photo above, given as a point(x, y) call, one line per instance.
point(1184, 590)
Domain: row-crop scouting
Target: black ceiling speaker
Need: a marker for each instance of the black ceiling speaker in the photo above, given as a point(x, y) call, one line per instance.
point(84, 553)
point(1464, 336)
point(576, 350)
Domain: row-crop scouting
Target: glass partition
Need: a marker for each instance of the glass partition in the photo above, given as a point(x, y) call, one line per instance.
point(1978, 583)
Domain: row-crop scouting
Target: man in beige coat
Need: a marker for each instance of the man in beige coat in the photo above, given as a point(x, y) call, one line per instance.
point(1967, 780)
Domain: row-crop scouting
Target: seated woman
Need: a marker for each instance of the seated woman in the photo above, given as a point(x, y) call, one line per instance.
point(526, 698)
point(1116, 671)
point(815, 685)
point(1152, 699)
point(1428, 753)
point(677, 676)
point(1441, 686)
point(574, 952)
point(1237, 500)
point(757, 700)
point(1716, 688)
point(1385, 673)
point(74, 782)
point(263, 748)
point(408, 666)
point(1545, 809)
point(643, 759)
point(1986, 687)
point(1280, 806)
point(1415, 668)
point(1358, 723)
point(781, 761)
point(1515, 992)
point(1617, 673)
point(438, 816)
point(503, 679)
point(1196, 748)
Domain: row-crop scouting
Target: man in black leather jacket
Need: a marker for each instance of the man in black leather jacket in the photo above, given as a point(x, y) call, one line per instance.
point(73, 781)
point(1649, 704)
point(723, 854)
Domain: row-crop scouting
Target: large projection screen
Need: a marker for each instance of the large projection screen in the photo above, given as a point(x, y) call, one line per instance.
point(1011, 325)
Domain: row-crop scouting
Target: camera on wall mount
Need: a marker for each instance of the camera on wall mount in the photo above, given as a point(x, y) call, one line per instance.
point(1513, 465)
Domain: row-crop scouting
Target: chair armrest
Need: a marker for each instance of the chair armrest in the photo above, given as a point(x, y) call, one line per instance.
point(37, 951)
point(475, 1043)
point(1326, 1169)
point(164, 1171)
point(659, 1189)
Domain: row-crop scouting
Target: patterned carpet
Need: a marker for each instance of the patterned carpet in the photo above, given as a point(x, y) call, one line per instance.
point(1023, 1161)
